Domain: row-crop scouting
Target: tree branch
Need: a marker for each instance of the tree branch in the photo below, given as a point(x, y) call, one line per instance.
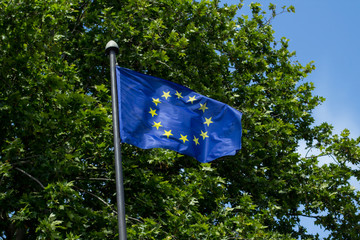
point(33, 178)
point(308, 216)
point(99, 198)
point(135, 219)
point(95, 179)
point(107, 204)
point(158, 61)
point(273, 16)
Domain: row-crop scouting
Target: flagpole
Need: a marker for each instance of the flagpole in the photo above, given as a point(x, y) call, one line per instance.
point(112, 49)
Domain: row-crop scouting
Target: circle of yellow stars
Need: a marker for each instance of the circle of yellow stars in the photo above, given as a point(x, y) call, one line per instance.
point(168, 133)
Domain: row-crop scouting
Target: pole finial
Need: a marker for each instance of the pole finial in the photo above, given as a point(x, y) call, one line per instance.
point(111, 45)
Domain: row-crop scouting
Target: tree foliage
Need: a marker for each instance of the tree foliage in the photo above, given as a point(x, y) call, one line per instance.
point(56, 168)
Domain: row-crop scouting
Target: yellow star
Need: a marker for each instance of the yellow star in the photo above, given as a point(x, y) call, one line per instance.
point(157, 125)
point(156, 101)
point(153, 112)
point(204, 135)
point(203, 107)
point(166, 95)
point(208, 121)
point(184, 138)
point(168, 133)
point(178, 94)
point(196, 140)
point(191, 99)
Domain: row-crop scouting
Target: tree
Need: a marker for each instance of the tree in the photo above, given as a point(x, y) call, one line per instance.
point(56, 170)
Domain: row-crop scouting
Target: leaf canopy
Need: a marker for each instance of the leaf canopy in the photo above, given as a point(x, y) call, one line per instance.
point(56, 168)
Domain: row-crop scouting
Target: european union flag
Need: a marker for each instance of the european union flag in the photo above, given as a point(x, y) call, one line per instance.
point(156, 113)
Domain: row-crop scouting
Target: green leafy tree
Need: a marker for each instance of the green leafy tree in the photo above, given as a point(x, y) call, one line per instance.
point(56, 159)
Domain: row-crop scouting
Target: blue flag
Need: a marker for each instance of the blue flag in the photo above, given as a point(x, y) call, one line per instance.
point(156, 113)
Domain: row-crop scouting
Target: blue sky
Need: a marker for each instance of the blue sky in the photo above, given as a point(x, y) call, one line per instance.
point(328, 33)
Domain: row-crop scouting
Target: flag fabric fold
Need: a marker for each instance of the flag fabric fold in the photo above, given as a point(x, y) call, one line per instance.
point(156, 113)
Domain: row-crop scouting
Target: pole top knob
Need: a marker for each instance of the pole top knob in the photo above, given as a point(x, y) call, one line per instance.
point(111, 45)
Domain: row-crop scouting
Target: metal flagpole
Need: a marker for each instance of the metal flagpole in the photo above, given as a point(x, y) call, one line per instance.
point(112, 49)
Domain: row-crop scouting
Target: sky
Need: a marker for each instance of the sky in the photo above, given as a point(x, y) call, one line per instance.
point(328, 33)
